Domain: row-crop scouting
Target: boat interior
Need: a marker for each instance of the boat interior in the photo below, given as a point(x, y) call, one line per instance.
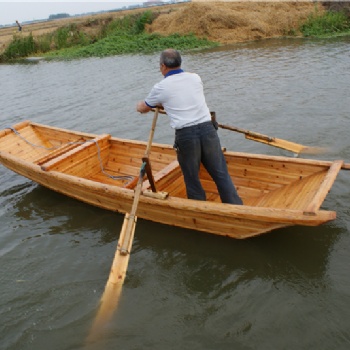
point(261, 181)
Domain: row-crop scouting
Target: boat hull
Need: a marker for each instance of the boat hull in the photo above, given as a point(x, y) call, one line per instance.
point(216, 218)
point(269, 203)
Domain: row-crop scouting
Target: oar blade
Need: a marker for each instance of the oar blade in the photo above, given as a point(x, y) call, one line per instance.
point(112, 293)
point(287, 145)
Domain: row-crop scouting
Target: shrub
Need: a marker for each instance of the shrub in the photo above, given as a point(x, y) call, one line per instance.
point(20, 47)
point(326, 24)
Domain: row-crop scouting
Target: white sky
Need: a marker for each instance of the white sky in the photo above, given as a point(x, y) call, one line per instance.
point(10, 11)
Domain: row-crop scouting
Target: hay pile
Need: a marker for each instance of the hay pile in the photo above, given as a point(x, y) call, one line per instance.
point(234, 22)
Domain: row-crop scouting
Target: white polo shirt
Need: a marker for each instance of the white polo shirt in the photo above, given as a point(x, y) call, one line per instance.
point(182, 96)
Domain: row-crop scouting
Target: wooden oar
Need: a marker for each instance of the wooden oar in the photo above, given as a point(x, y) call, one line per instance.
point(271, 141)
point(111, 295)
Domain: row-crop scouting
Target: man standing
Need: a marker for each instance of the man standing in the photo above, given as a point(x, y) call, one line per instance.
point(196, 139)
point(19, 26)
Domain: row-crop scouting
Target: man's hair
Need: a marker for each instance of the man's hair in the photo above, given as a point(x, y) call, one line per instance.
point(170, 58)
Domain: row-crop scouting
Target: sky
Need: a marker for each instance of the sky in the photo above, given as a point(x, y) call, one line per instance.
point(10, 11)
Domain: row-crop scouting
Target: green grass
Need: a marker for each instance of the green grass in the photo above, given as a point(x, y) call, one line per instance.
point(128, 44)
point(328, 24)
point(19, 47)
point(121, 36)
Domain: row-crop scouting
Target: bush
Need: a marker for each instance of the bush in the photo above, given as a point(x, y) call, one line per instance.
point(141, 21)
point(326, 24)
point(19, 47)
point(69, 36)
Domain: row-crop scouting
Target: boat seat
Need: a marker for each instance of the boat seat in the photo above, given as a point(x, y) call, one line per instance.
point(57, 152)
point(75, 155)
point(161, 174)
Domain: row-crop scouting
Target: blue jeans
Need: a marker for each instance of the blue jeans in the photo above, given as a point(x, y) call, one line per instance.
point(200, 144)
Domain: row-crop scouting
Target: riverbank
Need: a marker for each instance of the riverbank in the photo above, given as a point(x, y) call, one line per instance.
point(219, 23)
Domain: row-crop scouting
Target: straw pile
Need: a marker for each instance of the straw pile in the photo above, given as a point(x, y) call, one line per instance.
point(228, 22)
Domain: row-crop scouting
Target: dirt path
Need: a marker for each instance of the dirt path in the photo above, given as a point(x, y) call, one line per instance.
point(222, 22)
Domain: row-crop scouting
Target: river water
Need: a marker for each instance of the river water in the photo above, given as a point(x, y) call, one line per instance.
point(289, 289)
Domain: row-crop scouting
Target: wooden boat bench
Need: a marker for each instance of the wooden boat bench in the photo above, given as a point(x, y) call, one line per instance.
point(163, 180)
point(302, 194)
point(162, 174)
point(73, 158)
point(57, 152)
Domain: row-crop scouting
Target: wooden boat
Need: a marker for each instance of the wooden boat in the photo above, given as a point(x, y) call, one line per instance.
point(99, 169)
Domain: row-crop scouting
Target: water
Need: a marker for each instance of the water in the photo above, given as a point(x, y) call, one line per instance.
point(289, 289)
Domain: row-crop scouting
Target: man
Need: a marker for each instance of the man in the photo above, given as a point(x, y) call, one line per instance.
point(196, 140)
point(19, 26)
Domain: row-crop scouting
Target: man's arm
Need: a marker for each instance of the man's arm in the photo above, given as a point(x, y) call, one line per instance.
point(142, 107)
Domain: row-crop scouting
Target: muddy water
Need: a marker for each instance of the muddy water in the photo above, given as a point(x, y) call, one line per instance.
point(185, 290)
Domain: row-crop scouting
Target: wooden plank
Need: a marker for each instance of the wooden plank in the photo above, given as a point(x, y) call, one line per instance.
point(33, 137)
point(267, 174)
point(255, 185)
point(126, 160)
point(57, 152)
point(241, 156)
point(170, 168)
point(168, 182)
point(123, 169)
point(60, 134)
point(178, 188)
point(324, 188)
point(122, 162)
point(296, 195)
point(54, 163)
point(103, 178)
point(17, 127)
point(85, 163)
point(20, 148)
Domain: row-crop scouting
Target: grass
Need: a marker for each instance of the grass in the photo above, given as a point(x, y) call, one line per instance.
point(19, 47)
point(124, 43)
point(120, 36)
point(328, 24)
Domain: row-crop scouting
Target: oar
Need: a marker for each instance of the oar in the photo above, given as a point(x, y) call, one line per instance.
point(111, 295)
point(272, 141)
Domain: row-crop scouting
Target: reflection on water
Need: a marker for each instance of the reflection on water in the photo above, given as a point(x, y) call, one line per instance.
point(183, 287)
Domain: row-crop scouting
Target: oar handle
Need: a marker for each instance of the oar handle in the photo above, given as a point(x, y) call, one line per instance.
point(151, 134)
point(248, 133)
point(252, 134)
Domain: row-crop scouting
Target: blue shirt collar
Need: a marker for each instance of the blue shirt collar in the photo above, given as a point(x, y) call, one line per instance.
point(173, 71)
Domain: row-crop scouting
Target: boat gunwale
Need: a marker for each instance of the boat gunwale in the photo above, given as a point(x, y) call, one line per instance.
point(306, 161)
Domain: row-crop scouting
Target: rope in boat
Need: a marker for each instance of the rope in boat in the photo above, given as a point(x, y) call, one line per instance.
point(29, 143)
point(121, 177)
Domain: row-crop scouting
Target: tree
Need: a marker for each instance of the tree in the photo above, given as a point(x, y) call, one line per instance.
point(58, 16)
